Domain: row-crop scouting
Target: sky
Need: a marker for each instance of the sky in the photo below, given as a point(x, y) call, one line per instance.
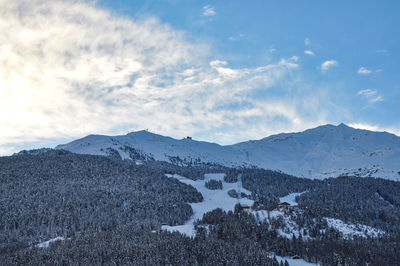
point(219, 71)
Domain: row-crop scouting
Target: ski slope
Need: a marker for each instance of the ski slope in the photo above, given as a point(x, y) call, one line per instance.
point(212, 199)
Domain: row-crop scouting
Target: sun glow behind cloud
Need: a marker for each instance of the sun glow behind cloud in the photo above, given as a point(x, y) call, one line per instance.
point(70, 68)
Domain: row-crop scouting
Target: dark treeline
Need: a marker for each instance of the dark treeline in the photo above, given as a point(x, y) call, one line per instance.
point(135, 246)
point(369, 201)
point(111, 210)
point(213, 184)
point(326, 249)
point(58, 193)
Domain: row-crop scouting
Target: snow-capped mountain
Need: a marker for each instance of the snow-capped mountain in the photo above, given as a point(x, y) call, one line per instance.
point(325, 151)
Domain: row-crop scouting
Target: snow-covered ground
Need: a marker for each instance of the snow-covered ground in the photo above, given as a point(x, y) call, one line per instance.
point(47, 243)
point(213, 199)
point(351, 230)
point(291, 198)
point(291, 228)
point(321, 152)
point(294, 262)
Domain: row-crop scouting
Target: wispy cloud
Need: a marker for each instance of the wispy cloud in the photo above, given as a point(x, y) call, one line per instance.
point(307, 41)
point(382, 51)
point(329, 64)
point(308, 52)
point(208, 11)
point(70, 68)
point(271, 49)
point(364, 71)
point(236, 37)
point(371, 95)
point(371, 127)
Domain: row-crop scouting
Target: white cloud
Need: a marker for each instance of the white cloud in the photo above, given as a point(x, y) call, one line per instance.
point(329, 64)
point(371, 95)
point(367, 92)
point(307, 41)
point(308, 52)
point(208, 11)
point(235, 38)
point(70, 68)
point(364, 71)
point(376, 99)
point(370, 127)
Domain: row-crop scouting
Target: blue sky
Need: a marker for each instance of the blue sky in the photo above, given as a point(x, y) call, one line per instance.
point(354, 33)
point(221, 71)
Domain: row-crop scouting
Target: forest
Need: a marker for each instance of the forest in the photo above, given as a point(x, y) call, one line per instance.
point(110, 211)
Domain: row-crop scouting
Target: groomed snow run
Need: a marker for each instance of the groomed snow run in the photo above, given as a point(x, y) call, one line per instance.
point(212, 199)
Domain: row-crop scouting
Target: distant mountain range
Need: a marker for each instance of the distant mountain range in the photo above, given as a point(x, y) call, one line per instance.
point(325, 151)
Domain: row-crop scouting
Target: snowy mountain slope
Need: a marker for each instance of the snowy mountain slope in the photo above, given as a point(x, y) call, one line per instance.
point(157, 147)
point(328, 151)
point(325, 151)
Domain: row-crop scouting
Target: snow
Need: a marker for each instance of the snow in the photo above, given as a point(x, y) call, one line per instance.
point(294, 262)
point(328, 151)
point(291, 198)
point(291, 228)
point(212, 199)
point(350, 230)
point(46, 244)
point(325, 151)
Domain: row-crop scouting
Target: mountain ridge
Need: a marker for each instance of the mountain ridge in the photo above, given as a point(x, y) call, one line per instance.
point(324, 151)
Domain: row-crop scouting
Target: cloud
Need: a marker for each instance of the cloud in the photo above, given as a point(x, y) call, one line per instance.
point(307, 41)
point(371, 95)
point(208, 11)
point(70, 68)
point(271, 49)
point(367, 92)
point(378, 98)
point(382, 51)
point(308, 52)
point(370, 127)
point(235, 38)
point(364, 71)
point(329, 64)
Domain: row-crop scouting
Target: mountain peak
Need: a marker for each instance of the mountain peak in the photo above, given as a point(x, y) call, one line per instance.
point(324, 151)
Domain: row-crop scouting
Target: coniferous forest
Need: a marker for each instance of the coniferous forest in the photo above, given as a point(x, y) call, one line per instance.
point(110, 211)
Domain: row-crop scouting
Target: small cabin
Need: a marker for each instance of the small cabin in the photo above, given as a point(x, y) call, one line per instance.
point(188, 137)
point(296, 257)
point(284, 205)
point(246, 207)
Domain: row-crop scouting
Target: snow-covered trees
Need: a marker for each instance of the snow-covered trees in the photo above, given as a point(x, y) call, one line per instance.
point(110, 210)
point(213, 184)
